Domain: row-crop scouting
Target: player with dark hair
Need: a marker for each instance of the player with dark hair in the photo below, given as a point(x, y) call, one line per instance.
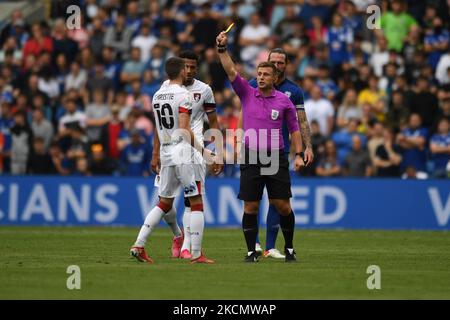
point(203, 105)
point(172, 106)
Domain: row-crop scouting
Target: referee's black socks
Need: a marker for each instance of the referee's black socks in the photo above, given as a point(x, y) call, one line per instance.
point(250, 228)
point(287, 224)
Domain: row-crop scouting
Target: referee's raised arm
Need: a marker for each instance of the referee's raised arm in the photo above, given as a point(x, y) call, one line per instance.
point(225, 58)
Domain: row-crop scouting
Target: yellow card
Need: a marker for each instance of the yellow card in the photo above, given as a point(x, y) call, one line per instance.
point(229, 27)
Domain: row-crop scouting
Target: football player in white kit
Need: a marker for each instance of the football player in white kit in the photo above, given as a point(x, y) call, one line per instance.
point(172, 106)
point(203, 106)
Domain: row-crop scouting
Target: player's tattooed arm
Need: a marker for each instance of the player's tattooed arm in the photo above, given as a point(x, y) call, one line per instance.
point(306, 136)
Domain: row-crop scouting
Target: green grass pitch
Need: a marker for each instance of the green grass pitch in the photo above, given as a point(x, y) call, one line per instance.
point(332, 265)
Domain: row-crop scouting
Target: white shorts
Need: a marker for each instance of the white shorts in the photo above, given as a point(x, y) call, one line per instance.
point(191, 177)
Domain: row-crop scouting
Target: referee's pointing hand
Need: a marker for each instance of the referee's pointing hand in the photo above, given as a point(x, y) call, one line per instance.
point(222, 39)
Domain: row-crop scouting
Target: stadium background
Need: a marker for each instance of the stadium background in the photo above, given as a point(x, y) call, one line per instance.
point(359, 86)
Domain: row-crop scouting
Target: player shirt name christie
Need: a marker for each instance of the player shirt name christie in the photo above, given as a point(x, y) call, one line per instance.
point(165, 96)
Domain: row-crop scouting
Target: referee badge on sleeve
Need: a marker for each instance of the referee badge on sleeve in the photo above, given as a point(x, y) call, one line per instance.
point(275, 114)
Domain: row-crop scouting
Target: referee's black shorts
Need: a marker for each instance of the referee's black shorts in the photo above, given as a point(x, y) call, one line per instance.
point(252, 182)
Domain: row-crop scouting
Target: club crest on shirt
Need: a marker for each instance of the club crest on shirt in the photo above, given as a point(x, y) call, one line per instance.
point(275, 114)
point(197, 97)
point(288, 93)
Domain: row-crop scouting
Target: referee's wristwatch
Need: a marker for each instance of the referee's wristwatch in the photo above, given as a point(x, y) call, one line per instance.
point(301, 154)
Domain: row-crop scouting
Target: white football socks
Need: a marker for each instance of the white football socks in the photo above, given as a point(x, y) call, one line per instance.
point(171, 219)
point(187, 229)
point(151, 221)
point(197, 225)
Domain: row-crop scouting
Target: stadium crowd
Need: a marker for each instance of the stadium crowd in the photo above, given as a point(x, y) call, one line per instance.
point(78, 101)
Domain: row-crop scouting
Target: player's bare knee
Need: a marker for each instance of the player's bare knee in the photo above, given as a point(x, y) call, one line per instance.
point(251, 207)
point(195, 200)
point(283, 206)
point(165, 204)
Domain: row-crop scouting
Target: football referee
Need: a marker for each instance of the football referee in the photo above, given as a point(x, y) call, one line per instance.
point(264, 110)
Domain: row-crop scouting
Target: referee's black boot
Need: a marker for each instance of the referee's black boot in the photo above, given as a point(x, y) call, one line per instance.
point(290, 257)
point(251, 258)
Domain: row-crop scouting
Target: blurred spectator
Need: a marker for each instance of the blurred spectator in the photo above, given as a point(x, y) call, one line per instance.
point(99, 81)
point(118, 37)
point(387, 156)
point(97, 116)
point(321, 110)
point(329, 166)
point(349, 109)
point(42, 128)
point(206, 28)
point(373, 96)
point(443, 68)
point(424, 103)
point(149, 84)
point(156, 62)
point(137, 99)
point(440, 150)
point(318, 141)
point(253, 39)
point(39, 161)
point(37, 43)
point(77, 77)
point(60, 162)
point(395, 24)
point(412, 140)
point(32, 90)
point(135, 158)
point(99, 164)
point(343, 139)
point(6, 123)
point(62, 43)
point(339, 38)
point(327, 86)
point(398, 112)
point(21, 142)
point(15, 28)
point(132, 68)
point(317, 31)
point(82, 168)
point(145, 42)
point(436, 42)
point(78, 145)
point(96, 37)
point(113, 131)
point(71, 118)
point(357, 163)
point(12, 51)
point(133, 20)
point(48, 84)
point(376, 139)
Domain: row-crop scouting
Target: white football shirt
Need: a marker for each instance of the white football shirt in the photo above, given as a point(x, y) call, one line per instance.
point(168, 102)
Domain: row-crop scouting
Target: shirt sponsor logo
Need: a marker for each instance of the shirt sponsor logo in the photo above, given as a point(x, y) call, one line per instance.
point(275, 114)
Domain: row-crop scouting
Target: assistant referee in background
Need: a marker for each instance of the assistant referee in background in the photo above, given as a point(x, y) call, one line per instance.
point(264, 110)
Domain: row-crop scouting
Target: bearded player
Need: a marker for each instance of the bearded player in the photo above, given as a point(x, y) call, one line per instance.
point(172, 106)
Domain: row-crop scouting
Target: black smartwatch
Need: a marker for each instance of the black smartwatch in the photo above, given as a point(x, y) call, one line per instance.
point(221, 49)
point(301, 154)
